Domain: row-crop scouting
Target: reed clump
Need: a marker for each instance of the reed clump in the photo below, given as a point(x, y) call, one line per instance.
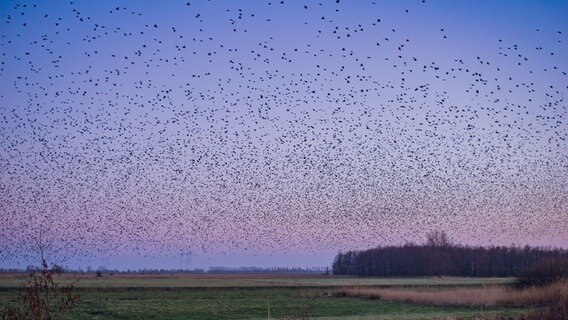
point(492, 296)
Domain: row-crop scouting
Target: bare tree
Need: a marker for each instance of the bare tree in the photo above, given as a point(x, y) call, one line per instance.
point(438, 239)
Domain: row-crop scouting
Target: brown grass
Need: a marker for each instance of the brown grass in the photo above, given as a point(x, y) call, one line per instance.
point(555, 300)
point(488, 296)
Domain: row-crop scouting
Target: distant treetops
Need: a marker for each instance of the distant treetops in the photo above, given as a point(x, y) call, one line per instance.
point(440, 257)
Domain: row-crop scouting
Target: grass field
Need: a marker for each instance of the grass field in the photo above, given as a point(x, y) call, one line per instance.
point(11, 280)
point(249, 297)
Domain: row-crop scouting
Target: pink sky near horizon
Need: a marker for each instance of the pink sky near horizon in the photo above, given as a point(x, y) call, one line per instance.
point(290, 130)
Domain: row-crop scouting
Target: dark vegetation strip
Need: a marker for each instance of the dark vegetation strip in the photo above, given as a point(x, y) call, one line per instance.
point(444, 259)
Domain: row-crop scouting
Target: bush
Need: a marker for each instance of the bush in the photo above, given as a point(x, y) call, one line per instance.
point(41, 298)
point(543, 273)
point(555, 305)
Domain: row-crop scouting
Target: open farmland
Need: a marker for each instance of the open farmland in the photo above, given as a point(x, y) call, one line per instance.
point(12, 280)
point(230, 296)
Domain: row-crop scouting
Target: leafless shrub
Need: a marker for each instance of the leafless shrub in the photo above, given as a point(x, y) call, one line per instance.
point(41, 298)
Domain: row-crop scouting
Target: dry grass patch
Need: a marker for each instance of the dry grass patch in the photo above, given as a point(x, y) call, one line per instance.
point(458, 296)
point(488, 296)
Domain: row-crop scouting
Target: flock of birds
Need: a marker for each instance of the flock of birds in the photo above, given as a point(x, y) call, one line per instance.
point(277, 126)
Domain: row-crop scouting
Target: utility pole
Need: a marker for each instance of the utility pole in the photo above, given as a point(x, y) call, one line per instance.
point(186, 261)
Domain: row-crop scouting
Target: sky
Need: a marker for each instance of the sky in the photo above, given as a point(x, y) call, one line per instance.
point(278, 132)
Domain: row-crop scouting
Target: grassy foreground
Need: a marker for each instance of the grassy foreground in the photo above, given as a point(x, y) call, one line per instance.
point(225, 297)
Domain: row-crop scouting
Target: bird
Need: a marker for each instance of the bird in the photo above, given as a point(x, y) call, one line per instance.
point(276, 127)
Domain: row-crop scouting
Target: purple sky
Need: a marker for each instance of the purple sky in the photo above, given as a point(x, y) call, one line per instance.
point(278, 132)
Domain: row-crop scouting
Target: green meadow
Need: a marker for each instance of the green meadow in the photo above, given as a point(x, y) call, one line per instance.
point(253, 297)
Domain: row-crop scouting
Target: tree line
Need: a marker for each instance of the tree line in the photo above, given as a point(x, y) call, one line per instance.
point(439, 257)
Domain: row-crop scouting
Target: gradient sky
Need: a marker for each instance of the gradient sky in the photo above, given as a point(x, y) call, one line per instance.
point(278, 132)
